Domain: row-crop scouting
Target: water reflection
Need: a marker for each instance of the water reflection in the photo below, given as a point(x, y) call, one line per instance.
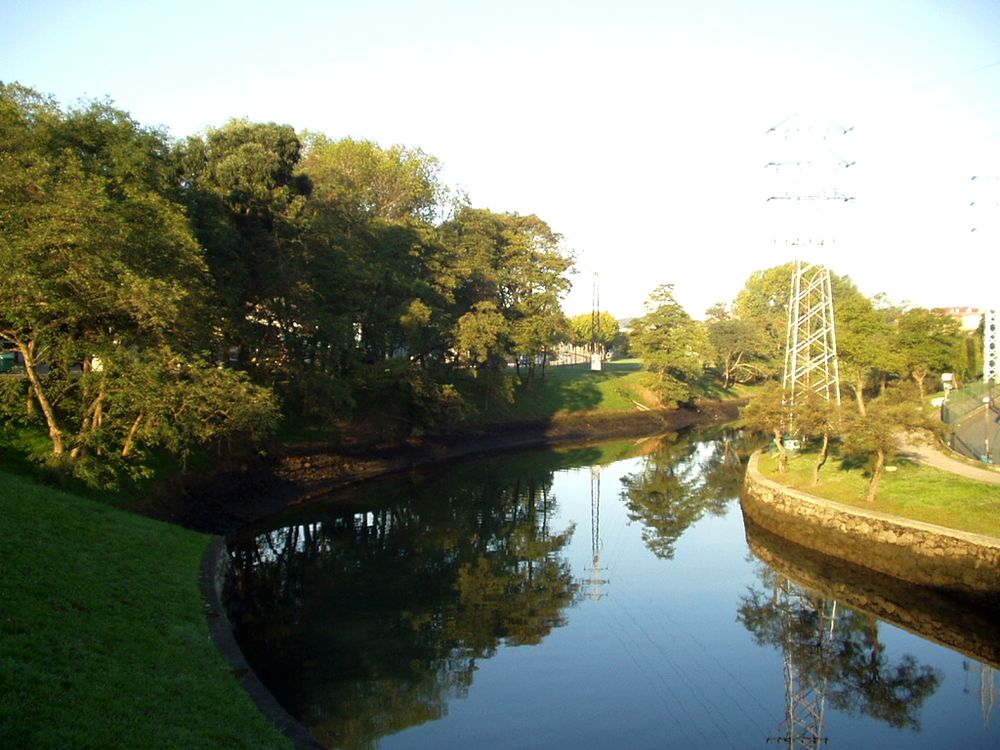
point(364, 623)
point(376, 612)
point(680, 483)
point(831, 647)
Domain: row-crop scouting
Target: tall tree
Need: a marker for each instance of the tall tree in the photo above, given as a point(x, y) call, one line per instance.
point(929, 342)
point(672, 345)
point(517, 264)
point(743, 352)
point(766, 413)
point(103, 263)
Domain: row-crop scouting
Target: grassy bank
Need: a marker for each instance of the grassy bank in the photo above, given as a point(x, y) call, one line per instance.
point(103, 635)
point(913, 491)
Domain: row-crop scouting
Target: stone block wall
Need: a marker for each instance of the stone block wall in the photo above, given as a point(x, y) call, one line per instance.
point(921, 553)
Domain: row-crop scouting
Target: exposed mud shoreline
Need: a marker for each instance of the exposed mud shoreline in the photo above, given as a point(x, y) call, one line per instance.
point(222, 501)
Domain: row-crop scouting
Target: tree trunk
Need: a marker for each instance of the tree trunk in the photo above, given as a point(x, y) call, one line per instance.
point(30, 367)
point(859, 396)
point(823, 453)
point(130, 438)
point(876, 475)
point(782, 453)
point(919, 377)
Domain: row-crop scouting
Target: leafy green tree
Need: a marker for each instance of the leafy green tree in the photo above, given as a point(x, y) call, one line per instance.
point(817, 417)
point(743, 352)
point(515, 263)
point(584, 333)
point(245, 199)
point(929, 342)
point(766, 413)
point(370, 182)
point(672, 345)
point(864, 345)
point(104, 265)
point(875, 436)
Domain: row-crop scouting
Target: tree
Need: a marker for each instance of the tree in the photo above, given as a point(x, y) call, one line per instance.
point(766, 413)
point(371, 182)
point(742, 350)
point(584, 332)
point(245, 199)
point(816, 416)
point(874, 437)
point(102, 265)
point(929, 341)
point(864, 345)
point(517, 265)
point(672, 345)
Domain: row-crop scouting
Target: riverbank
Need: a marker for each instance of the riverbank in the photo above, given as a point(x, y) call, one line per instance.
point(220, 502)
point(104, 640)
point(953, 562)
point(104, 632)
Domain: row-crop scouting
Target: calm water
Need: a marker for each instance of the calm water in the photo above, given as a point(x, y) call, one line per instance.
point(602, 598)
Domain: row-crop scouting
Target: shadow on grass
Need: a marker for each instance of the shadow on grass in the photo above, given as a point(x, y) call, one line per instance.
point(568, 388)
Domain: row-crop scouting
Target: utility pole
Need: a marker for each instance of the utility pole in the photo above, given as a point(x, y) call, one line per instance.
point(596, 358)
point(807, 169)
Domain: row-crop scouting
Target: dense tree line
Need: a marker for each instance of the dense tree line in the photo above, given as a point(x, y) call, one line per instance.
point(168, 293)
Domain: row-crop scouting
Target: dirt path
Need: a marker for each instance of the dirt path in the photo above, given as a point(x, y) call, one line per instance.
point(923, 450)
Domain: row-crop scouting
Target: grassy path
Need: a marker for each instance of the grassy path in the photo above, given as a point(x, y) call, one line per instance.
point(103, 637)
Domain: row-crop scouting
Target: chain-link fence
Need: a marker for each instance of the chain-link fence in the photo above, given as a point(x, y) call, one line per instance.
point(972, 415)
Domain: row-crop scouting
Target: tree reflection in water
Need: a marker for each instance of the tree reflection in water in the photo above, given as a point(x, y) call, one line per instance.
point(366, 623)
point(681, 482)
point(832, 654)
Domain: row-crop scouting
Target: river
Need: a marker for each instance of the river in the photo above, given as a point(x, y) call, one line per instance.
point(601, 597)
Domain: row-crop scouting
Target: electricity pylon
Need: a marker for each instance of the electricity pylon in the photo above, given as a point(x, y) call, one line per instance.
point(804, 651)
point(592, 585)
point(811, 345)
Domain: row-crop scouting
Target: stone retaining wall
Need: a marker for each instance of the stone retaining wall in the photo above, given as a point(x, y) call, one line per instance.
point(922, 553)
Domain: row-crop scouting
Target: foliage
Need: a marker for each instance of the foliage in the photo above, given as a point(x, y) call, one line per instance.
point(929, 342)
point(104, 266)
point(874, 437)
point(584, 332)
point(743, 353)
point(672, 345)
point(766, 414)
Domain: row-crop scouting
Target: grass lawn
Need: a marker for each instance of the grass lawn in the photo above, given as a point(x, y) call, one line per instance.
point(103, 635)
point(913, 491)
point(567, 389)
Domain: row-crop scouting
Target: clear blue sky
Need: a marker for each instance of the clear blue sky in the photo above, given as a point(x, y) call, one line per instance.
point(636, 129)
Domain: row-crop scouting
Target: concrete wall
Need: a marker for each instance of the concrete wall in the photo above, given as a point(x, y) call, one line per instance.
point(921, 553)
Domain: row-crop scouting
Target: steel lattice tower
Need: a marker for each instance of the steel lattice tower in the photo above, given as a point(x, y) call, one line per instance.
point(811, 345)
point(804, 651)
